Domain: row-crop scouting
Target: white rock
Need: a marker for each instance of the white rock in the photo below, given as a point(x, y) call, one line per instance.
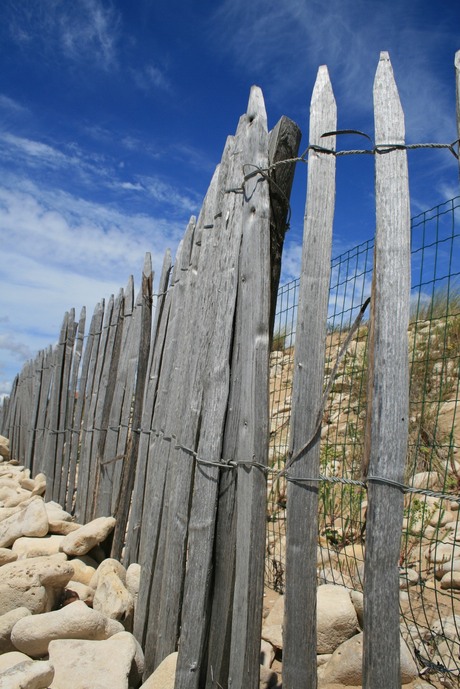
point(6, 555)
point(40, 485)
point(74, 621)
point(337, 619)
point(357, 599)
point(26, 546)
point(84, 569)
point(345, 664)
point(447, 627)
point(113, 599)
point(164, 675)
point(11, 497)
point(84, 539)
point(10, 659)
point(85, 593)
point(267, 679)
point(451, 580)
point(133, 580)
point(108, 566)
point(29, 674)
point(4, 447)
point(113, 663)
point(7, 622)
point(34, 583)
point(31, 521)
point(267, 654)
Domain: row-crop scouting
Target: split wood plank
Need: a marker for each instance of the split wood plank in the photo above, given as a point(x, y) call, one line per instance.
point(388, 389)
point(72, 431)
point(196, 301)
point(65, 419)
point(120, 402)
point(101, 316)
point(248, 233)
point(284, 142)
point(299, 650)
point(108, 365)
point(141, 350)
point(134, 517)
point(80, 423)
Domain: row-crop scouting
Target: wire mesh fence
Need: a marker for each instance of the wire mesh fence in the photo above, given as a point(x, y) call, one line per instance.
point(430, 541)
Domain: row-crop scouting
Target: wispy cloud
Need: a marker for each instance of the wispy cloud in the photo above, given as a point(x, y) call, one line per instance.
point(288, 41)
point(152, 77)
point(11, 106)
point(81, 30)
point(60, 251)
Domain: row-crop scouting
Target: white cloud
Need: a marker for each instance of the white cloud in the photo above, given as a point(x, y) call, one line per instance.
point(81, 30)
point(60, 251)
point(348, 37)
point(152, 75)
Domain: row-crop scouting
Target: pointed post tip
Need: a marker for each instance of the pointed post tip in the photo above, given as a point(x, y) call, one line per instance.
point(256, 104)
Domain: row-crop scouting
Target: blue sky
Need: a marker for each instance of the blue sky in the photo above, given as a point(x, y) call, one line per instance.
point(113, 115)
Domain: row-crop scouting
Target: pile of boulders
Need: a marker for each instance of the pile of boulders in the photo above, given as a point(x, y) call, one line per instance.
point(339, 639)
point(66, 609)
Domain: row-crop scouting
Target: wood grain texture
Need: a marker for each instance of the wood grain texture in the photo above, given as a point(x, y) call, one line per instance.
point(299, 653)
point(388, 391)
point(139, 348)
point(457, 94)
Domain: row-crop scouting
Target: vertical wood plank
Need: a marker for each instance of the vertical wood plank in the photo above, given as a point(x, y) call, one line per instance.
point(72, 432)
point(244, 249)
point(388, 391)
point(299, 652)
point(108, 367)
point(144, 309)
point(457, 93)
point(80, 434)
point(64, 411)
point(52, 426)
point(131, 553)
point(120, 402)
point(101, 314)
point(283, 144)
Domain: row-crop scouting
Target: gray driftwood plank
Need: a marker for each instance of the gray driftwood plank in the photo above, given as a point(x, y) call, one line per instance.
point(72, 431)
point(154, 509)
point(107, 383)
point(457, 90)
point(80, 436)
point(90, 400)
point(299, 651)
point(143, 331)
point(388, 390)
point(52, 426)
point(131, 553)
point(64, 411)
point(73, 427)
point(283, 144)
point(38, 458)
point(111, 452)
point(37, 370)
point(194, 318)
point(243, 238)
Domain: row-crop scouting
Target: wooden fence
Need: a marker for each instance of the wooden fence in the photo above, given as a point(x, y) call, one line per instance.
point(163, 421)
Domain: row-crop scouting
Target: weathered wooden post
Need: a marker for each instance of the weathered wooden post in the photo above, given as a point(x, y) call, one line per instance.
point(299, 653)
point(141, 354)
point(457, 93)
point(388, 389)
